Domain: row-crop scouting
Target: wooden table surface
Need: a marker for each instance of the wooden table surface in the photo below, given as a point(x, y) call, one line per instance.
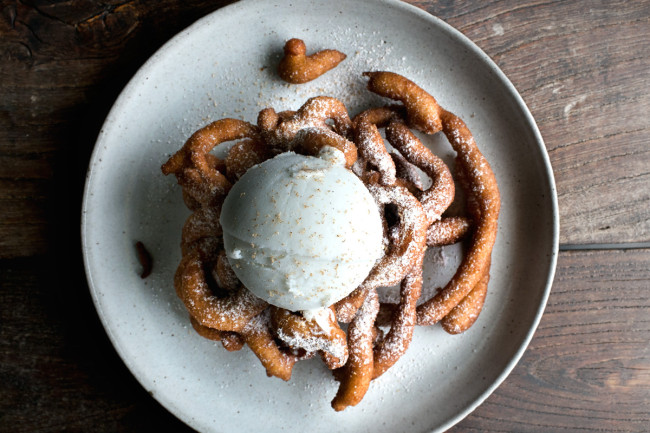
point(581, 66)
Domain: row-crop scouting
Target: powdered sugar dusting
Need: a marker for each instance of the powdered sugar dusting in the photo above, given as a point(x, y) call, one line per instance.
point(360, 335)
point(372, 148)
point(398, 339)
point(314, 343)
point(394, 266)
point(440, 194)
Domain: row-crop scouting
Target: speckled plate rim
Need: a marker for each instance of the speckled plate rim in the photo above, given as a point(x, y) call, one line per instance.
point(129, 92)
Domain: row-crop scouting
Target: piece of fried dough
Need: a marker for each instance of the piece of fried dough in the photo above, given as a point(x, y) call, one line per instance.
point(297, 67)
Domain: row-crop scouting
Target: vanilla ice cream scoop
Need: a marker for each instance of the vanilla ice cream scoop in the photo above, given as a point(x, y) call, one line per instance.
point(301, 232)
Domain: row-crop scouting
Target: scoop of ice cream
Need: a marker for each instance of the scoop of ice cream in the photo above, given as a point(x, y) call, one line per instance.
point(301, 232)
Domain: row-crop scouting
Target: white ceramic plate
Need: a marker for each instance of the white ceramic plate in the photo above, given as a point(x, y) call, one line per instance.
point(224, 66)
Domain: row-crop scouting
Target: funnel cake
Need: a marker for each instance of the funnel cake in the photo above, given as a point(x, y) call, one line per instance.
point(208, 278)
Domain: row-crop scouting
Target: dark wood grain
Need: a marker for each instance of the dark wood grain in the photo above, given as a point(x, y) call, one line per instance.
point(581, 66)
point(588, 366)
point(584, 71)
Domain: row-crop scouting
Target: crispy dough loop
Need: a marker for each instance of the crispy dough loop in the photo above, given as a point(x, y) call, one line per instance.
point(258, 337)
point(297, 67)
point(371, 144)
point(407, 173)
point(395, 343)
point(358, 371)
point(229, 313)
point(231, 341)
point(347, 307)
point(202, 223)
point(485, 192)
point(437, 198)
point(279, 130)
point(299, 333)
point(422, 110)
point(447, 231)
point(403, 254)
point(313, 141)
point(404, 251)
point(197, 172)
point(242, 156)
point(465, 314)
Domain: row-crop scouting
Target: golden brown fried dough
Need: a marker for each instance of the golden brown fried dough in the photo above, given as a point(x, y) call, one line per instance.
point(222, 309)
point(297, 67)
point(358, 371)
point(447, 231)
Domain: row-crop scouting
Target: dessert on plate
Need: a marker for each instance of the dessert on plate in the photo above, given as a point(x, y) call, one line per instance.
point(293, 232)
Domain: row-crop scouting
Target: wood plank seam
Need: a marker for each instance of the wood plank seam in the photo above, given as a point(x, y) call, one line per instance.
point(596, 247)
